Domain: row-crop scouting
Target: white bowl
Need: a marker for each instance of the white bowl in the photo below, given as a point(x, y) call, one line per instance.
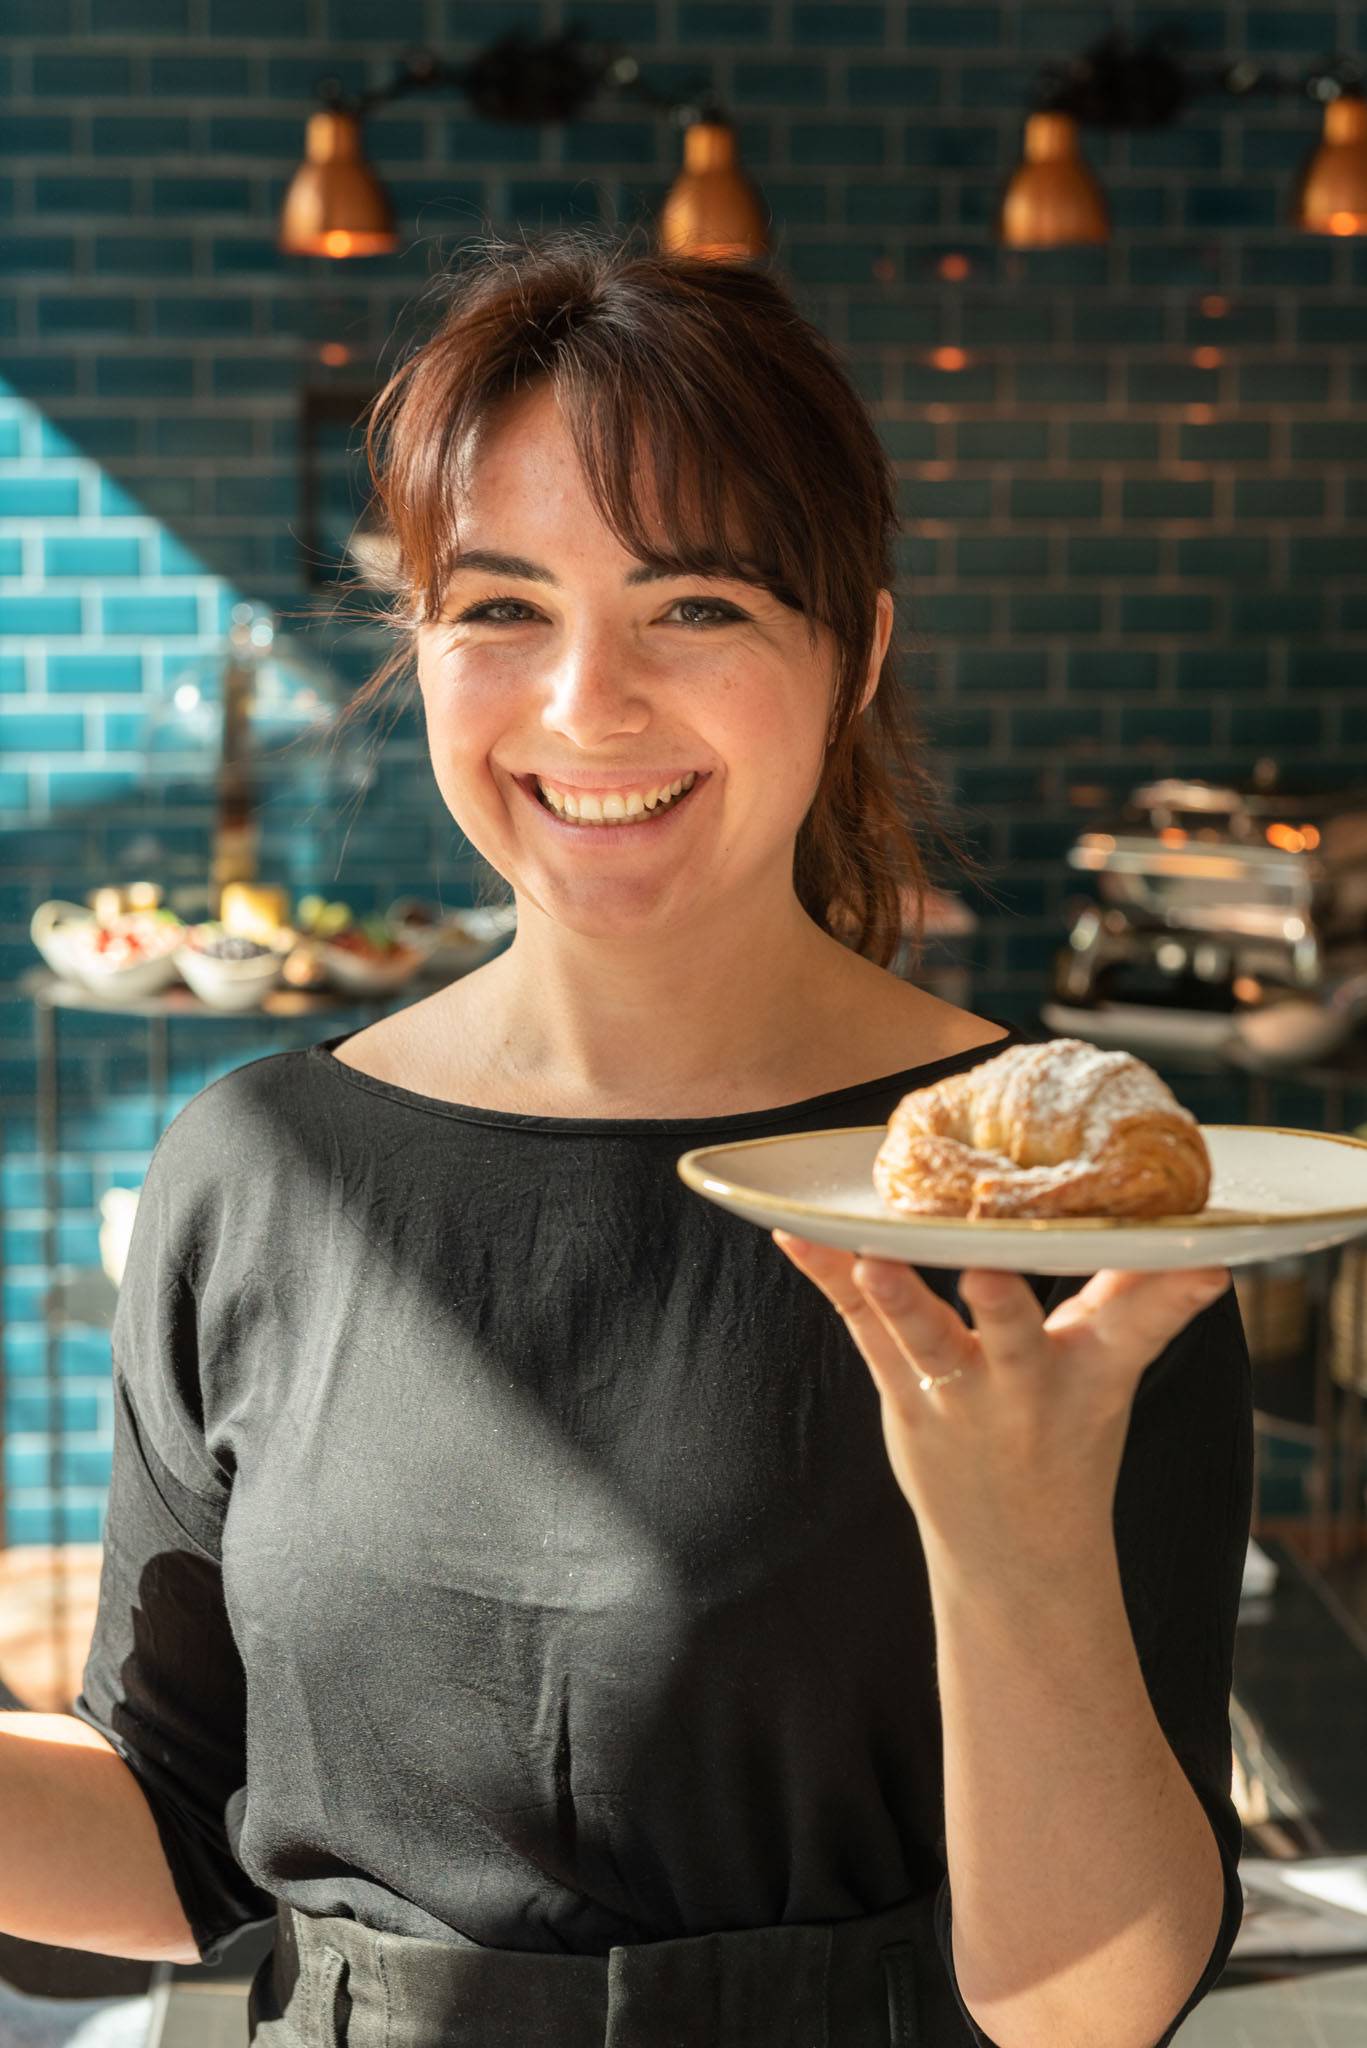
point(230, 984)
point(129, 983)
point(50, 930)
point(355, 976)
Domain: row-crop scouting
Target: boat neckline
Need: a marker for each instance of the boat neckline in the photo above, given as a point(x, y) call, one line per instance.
point(736, 1120)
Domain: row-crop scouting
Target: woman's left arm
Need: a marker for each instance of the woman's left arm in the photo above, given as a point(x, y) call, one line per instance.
point(1088, 1887)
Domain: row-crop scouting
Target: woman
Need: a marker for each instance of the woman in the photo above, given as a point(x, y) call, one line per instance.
point(575, 1621)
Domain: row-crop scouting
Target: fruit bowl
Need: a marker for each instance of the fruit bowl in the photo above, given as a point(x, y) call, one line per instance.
point(228, 971)
point(128, 957)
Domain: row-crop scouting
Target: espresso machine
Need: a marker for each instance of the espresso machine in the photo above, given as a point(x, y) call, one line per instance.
point(1229, 920)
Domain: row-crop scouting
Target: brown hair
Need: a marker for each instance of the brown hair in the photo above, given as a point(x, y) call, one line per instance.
point(765, 464)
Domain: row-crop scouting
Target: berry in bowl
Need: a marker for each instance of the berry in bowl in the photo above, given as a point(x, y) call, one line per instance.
point(227, 970)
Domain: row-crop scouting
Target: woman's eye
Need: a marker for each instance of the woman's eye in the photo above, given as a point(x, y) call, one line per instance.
point(724, 613)
point(484, 612)
point(487, 610)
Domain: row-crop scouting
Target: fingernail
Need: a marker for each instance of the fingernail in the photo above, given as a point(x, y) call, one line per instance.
point(881, 1281)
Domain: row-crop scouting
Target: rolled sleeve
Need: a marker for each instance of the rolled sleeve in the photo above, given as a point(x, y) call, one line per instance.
point(163, 1682)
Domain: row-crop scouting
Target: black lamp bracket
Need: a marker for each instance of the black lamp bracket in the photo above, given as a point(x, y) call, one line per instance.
point(519, 79)
point(1116, 83)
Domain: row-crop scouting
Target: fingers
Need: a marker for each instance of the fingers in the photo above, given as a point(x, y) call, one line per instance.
point(908, 1329)
point(1133, 1315)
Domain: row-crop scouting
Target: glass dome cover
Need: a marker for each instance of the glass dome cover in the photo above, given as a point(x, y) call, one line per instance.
point(285, 703)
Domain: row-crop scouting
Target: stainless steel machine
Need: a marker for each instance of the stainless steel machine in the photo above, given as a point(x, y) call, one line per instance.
point(1228, 919)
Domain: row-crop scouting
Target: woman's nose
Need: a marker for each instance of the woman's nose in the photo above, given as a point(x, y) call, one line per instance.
point(592, 688)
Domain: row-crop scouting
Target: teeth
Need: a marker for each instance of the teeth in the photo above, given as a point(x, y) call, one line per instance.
point(618, 806)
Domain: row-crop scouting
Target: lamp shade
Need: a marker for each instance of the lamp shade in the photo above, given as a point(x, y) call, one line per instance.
point(712, 209)
point(335, 205)
point(1331, 194)
point(1052, 197)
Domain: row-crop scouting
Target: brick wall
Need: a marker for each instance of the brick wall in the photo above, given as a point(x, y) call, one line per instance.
point(1120, 557)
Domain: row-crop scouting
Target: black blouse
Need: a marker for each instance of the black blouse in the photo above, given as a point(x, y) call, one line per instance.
point(501, 1543)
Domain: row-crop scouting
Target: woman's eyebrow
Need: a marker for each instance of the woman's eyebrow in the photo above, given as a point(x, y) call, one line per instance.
point(496, 563)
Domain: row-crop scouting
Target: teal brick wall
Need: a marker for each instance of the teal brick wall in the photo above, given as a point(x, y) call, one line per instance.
point(1120, 557)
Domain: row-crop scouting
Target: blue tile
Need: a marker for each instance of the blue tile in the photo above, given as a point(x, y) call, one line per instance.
point(780, 84)
point(66, 313)
point(1224, 557)
point(149, 615)
point(1293, 381)
point(1229, 670)
point(355, 20)
point(38, 732)
point(840, 21)
point(837, 142)
point(103, 436)
point(81, 76)
point(214, 316)
point(34, 254)
point(87, 674)
point(38, 135)
point(141, 255)
point(1246, 205)
point(201, 195)
point(37, 375)
point(144, 376)
point(91, 556)
point(1070, 380)
point(71, 193)
point(956, 28)
point(219, 76)
point(139, 135)
point(706, 21)
point(1108, 440)
point(894, 84)
point(1055, 497)
point(1313, 556)
point(1112, 669)
point(1167, 498)
point(1186, 612)
point(1309, 31)
point(36, 497)
point(82, 787)
point(1279, 497)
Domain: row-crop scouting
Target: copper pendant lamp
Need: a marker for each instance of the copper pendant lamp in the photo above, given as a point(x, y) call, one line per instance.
point(1331, 196)
point(335, 205)
point(1053, 197)
point(712, 209)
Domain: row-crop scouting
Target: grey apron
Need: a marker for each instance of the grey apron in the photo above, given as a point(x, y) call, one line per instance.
point(877, 1982)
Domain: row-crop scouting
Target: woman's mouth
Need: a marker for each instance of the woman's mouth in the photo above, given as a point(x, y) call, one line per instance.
point(612, 829)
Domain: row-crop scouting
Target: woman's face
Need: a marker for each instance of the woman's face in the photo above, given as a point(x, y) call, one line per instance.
point(564, 668)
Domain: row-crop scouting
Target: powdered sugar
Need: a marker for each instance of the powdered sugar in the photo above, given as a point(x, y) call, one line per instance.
point(1047, 1087)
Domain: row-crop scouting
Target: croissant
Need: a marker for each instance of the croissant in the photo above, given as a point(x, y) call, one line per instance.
point(1058, 1129)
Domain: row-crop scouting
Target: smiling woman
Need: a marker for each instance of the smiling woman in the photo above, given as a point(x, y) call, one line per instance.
point(514, 1584)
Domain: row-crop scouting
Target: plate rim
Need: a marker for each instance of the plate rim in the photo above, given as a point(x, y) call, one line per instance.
point(692, 1173)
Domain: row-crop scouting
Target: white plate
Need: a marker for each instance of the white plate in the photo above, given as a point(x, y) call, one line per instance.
point(1274, 1194)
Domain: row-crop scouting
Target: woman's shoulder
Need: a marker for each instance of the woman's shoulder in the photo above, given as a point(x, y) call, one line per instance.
point(235, 1120)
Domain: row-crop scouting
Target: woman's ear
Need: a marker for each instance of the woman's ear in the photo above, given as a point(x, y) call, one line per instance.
point(881, 637)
